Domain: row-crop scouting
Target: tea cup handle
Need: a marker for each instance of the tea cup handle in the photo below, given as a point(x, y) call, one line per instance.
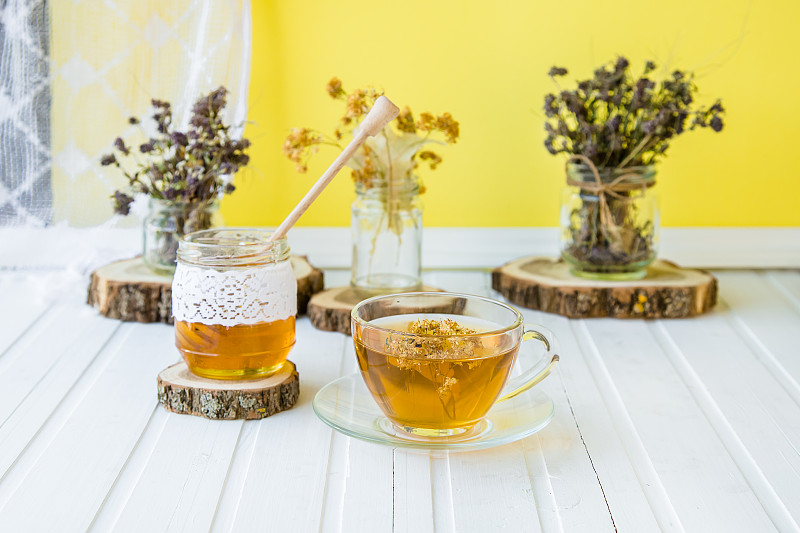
point(540, 370)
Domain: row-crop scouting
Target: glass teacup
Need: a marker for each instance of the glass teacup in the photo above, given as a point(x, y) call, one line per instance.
point(435, 363)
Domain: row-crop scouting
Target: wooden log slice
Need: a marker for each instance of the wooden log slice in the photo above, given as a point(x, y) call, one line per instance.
point(329, 310)
point(667, 291)
point(127, 290)
point(310, 281)
point(182, 392)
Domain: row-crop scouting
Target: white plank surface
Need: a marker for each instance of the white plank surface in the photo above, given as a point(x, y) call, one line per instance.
point(82, 249)
point(681, 425)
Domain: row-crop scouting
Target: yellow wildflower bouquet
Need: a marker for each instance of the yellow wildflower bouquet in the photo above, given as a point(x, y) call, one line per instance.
point(388, 158)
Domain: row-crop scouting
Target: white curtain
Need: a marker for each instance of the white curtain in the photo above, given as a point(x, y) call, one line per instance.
point(73, 81)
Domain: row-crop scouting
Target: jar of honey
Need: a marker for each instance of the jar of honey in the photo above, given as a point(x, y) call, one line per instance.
point(234, 300)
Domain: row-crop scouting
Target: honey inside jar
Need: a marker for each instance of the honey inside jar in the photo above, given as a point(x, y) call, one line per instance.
point(235, 352)
point(234, 301)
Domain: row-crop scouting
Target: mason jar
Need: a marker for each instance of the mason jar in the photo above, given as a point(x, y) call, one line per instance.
point(166, 222)
point(234, 299)
point(387, 237)
point(609, 230)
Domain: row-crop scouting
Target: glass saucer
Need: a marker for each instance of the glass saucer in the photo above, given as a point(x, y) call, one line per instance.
point(347, 406)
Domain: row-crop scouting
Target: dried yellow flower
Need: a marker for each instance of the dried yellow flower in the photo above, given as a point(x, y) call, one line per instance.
point(335, 88)
point(448, 126)
point(433, 339)
point(443, 123)
point(405, 121)
point(367, 171)
point(427, 122)
point(360, 102)
point(300, 144)
point(431, 158)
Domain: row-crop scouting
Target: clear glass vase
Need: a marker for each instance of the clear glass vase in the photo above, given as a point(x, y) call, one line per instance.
point(169, 220)
point(387, 237)
point(613, 234)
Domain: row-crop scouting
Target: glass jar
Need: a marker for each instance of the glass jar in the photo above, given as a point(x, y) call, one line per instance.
point(387, 237)
point(609, 232)
point(166, 222)
point(234, 299)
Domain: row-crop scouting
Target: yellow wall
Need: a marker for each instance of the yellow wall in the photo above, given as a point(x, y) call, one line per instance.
point(486, 63)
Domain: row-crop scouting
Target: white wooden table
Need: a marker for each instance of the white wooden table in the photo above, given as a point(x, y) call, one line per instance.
point(681, 425)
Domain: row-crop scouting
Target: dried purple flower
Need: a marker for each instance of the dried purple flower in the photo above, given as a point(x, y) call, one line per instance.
point(119, 144)
point(122, 203)
point(194, 171)
point(617, 119)
point(557, 71)
point(550, 107)
point(178, 138)
point(650, 126)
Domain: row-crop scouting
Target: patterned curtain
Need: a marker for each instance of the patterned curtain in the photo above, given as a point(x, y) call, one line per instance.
point(107, 60)
point(25, 190)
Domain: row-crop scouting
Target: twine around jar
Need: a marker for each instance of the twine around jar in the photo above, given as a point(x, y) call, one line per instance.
point(632, 181)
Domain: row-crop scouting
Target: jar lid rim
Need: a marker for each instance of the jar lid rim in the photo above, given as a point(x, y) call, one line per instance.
point(261, 234)
point(230, 246)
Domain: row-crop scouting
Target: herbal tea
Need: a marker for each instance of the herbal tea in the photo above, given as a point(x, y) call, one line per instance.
point(235, 352)
point(423, 379)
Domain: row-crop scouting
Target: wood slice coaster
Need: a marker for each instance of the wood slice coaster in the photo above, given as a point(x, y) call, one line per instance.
point(182, 392)
point(667, 291)
point(330, 310)
point(129, 291)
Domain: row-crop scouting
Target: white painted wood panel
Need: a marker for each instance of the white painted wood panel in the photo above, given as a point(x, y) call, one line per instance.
point(769, 320)
point(18, 309)
point(76, 352)
point(684, 425)
point(502, 473)
point(31, 358)
point(594, 417)
point(413, 495)
point(73, 464)
point(187, 466)
point(686, 472)
point(734, 404)
point(565, 486)
point(359, 491)
point(83, 249)
point(281, 483)
point(788, 283)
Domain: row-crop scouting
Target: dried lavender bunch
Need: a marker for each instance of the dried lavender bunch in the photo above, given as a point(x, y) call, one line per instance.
point(618, 120)
point(623, 125)
point(192, 167)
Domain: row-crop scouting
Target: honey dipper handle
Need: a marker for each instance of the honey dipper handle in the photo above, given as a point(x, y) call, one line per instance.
point(382, 112)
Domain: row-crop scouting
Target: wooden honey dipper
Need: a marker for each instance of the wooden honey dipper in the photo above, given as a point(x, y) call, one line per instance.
point(382, 112)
